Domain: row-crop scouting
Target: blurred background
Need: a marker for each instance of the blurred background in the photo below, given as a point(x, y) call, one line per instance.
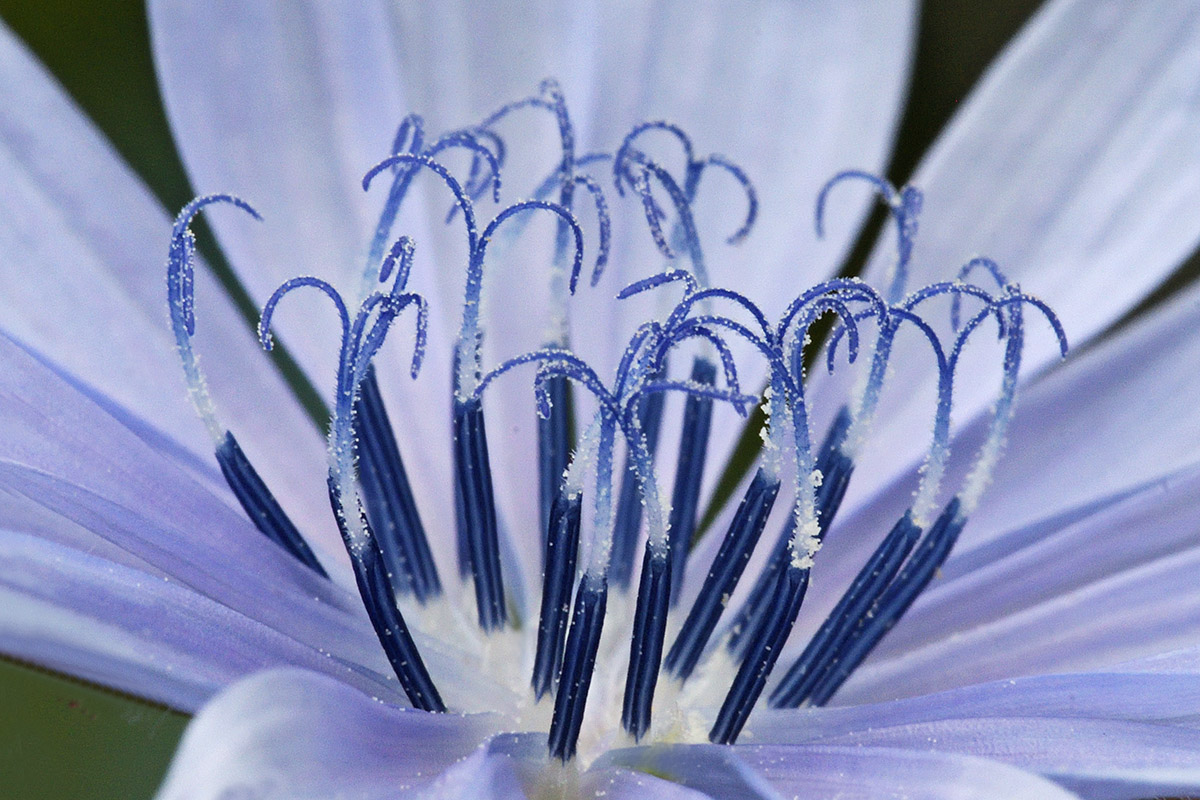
point(60, 738)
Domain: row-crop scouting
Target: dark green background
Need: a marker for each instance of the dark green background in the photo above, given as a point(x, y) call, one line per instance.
point(60, 738)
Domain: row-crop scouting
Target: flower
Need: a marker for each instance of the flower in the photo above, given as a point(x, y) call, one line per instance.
point(1059, 641)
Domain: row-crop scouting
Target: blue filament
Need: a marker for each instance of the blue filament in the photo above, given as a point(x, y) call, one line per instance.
point(562, 547)
point(731, 559)
point(693, 448)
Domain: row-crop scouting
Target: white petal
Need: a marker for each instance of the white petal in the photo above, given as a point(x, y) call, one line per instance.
point(295, 734)
point(84, 248)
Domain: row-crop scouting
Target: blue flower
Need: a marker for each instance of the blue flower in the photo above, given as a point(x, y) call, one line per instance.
point(1056, 650)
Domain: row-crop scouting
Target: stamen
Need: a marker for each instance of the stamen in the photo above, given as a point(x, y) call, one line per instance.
point(473, 481)
point(654, 594)
point(876, 601)
point(930, 554)
point(554, 450)
point(750, 617)
point(358, 347)
point(251, 491)
point(731, 559)
point(587, 620)
point(762, 653)
point(649, 628)
point(371, 576)
point(629, 503)
point(562, 548)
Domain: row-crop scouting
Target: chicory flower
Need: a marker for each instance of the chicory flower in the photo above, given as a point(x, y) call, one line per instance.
point(1056, 648)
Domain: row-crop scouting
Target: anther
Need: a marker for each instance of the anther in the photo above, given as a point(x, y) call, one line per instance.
point(562, 547)
point(629, 503)
point(693, 449)
point(887, 609)
point(389, 499)
point(731, 559)
point(579, 662)
point(761, 654)
point(829, 640)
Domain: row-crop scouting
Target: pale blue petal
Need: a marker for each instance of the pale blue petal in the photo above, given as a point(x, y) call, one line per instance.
point(624, 784)
point(138, 631)
point(1097, 758)
point(84, 260)
point(295, 734)
point(807, 771)
point(74, 475)
point(1076, 166)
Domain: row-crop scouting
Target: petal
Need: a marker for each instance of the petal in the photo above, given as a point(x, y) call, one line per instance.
point(137, 631)
point(294, 734)
point(85, 477)
point(84, 246)
point(1123, 694)
point(1148, 534)
point(624, 784)
point(321, 89)
point(1097, 758)
point(774, 771)
point(1076, 166)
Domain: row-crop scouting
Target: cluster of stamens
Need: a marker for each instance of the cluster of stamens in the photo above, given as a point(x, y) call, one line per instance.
point(374, 506)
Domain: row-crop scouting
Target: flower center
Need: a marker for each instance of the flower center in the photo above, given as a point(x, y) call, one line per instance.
point(596, 657)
